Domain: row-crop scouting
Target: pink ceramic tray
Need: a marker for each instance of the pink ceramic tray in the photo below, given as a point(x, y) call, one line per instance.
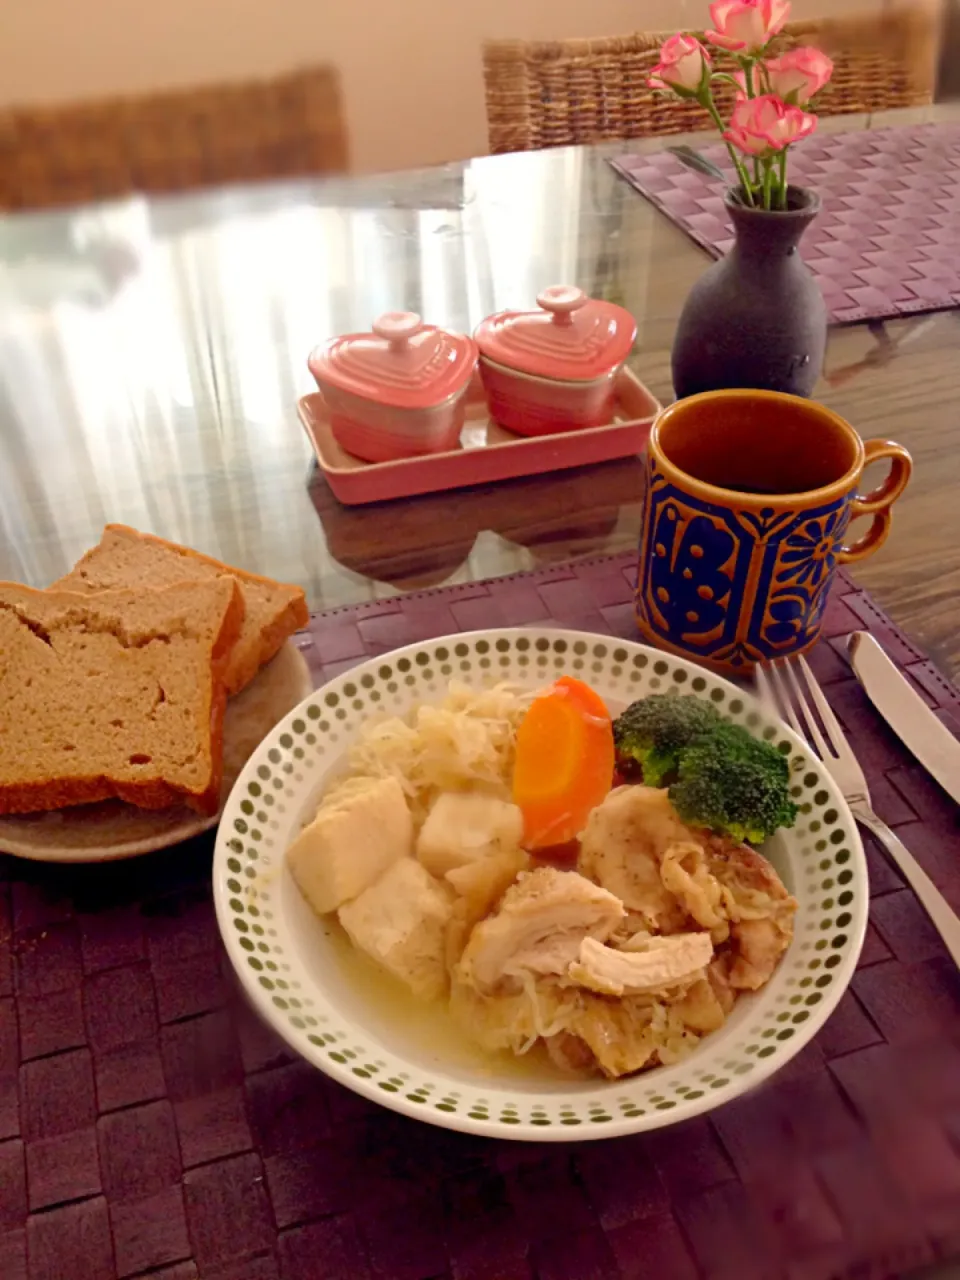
point(487, 452)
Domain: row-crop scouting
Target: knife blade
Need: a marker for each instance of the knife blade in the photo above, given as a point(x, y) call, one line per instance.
point(905, 712)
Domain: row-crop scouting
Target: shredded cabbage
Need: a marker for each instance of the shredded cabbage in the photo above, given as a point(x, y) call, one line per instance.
point(515, 1020)
point(545, 997)
point(674, 1040)
point(467, 741)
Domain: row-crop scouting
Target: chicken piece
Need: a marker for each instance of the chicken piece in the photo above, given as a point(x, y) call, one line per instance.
point(401, 922)
point(463, 827)
point(758, 946)
point(570, 1053)
point(674, 961)
point(538, 928)
point(718, 975)
point(760, 909)
point(701, 1009)
point(630, 938)
point(480, 886)
point(755, 890)
point(619, 1033)
point(513, 1020)
point(684, 872)
point(621, 848)
point(357, 834)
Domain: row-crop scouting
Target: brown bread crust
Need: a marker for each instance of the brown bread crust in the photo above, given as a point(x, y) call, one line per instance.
point(58, 793)
point(244, 662)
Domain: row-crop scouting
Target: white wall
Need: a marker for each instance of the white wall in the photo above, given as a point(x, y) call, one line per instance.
point(411, 68)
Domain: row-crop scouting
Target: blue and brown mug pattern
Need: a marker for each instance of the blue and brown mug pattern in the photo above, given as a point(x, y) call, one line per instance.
point(748, 498)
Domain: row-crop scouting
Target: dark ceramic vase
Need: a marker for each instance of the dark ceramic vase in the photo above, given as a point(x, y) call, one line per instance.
point(757, 317)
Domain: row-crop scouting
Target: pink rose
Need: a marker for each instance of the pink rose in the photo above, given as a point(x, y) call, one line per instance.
point(746, 26)
point(764, 125)
point(683, 64)
point(796, 77)
point(799, 74)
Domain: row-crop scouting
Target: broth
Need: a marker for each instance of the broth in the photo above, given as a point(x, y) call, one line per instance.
point(389, 1005)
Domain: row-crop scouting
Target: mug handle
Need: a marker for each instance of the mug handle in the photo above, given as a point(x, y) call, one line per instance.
point(879, 502)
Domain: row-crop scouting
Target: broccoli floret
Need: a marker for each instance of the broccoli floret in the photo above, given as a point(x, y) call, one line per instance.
point(735, 784)
point(655, 730)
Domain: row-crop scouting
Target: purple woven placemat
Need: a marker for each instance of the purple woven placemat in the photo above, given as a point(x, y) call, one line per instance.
point(150, 1125)
point(887, 242)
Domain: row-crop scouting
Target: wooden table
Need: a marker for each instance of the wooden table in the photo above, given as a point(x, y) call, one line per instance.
point(152, 352)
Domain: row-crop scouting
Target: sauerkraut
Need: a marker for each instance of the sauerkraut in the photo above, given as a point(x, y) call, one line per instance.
point(465, 743)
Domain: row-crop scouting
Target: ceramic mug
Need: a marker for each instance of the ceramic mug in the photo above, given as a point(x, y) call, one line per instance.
point(748, 499)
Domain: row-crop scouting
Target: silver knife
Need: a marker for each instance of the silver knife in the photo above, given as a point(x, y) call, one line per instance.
point(905, 712)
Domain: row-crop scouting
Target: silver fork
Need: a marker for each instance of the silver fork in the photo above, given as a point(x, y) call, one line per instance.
point(780, 684)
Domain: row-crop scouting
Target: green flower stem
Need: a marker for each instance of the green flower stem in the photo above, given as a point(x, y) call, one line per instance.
point(746, 66)
point(767, 182)
point(783, 177)
point(709, 104)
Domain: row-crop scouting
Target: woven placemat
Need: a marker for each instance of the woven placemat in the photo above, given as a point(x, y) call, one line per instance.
point(887, 241)
point(150, 1125)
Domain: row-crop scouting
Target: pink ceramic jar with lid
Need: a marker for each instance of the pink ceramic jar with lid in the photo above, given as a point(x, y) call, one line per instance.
point(554, 369)
point(396, 392)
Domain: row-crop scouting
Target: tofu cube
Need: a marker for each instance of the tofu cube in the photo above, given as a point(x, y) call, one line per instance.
point(401, 923)
point(351, 843)
point(464, 827)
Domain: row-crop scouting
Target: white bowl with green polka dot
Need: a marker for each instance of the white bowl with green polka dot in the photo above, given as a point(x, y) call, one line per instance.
point(339, 1013)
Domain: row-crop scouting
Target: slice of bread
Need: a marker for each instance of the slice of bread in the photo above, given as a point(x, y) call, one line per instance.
point(126, 558)
point(117, 694)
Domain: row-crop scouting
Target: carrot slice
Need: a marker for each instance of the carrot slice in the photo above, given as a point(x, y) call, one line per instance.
point(564, 762)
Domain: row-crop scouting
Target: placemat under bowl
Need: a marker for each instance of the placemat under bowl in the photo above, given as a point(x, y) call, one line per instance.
point(151, 1126)
point(887, 240)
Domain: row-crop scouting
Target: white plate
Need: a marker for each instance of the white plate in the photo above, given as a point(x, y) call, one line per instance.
point(110, 830)
point(365, 1033)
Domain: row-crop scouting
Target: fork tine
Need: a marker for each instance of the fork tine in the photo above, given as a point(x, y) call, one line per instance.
point(771, 679)
point(765, 690)
point(813, 728)
point(838, 739)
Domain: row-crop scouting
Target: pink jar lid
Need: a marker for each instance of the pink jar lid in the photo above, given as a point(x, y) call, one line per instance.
point(403, 363)
point(572, 338)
